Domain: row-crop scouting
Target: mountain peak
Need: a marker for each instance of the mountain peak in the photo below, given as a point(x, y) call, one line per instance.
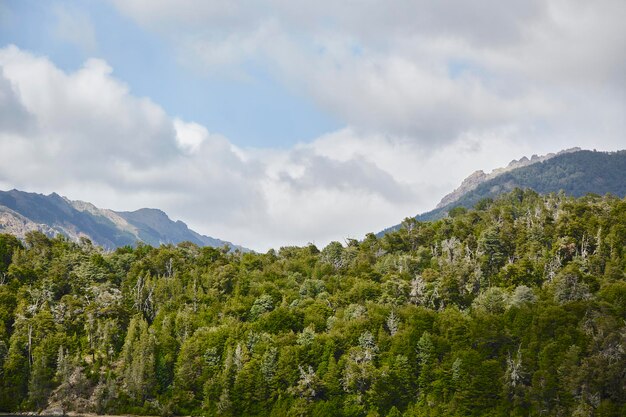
point(21, 212)
point(479, 177)
point(575, 171)
point(148, 210)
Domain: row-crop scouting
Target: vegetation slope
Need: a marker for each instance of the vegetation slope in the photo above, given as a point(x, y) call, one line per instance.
point(514, 308)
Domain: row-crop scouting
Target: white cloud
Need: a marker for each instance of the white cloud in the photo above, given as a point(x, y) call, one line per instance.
point(13, 116)
point(426, 71)
point(190, 136)
point(220, 13)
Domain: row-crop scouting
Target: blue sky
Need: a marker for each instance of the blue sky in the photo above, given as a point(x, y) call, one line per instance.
point(256, 111)
point(273, 122)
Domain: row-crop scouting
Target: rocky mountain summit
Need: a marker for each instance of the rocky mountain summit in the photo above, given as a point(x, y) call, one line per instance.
point(478, 177)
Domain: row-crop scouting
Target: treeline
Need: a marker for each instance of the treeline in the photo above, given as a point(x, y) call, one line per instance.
point(515, 308)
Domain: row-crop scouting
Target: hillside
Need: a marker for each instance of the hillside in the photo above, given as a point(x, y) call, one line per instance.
point(21, 212)
point(514, 309)
point(574, 172)
point(474, 180)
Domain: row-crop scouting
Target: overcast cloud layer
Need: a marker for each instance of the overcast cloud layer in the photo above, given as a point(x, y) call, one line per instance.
point(427, 92)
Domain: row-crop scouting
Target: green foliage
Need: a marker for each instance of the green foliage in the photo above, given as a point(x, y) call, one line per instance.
point(514, 308)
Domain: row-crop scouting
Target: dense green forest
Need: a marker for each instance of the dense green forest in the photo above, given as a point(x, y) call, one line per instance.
point(516, 307)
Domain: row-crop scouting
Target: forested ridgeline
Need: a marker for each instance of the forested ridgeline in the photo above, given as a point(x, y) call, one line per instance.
point(515, 308)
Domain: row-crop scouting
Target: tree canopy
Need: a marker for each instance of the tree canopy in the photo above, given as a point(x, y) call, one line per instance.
point(516, 307)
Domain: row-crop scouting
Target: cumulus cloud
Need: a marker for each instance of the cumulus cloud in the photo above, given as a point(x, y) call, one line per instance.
point(422, 70)
point(13, 116)
point(90, 110)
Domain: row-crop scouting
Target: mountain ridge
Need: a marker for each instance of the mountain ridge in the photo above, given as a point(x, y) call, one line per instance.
point(480, 176)
point(22, 212)
point(575, 172)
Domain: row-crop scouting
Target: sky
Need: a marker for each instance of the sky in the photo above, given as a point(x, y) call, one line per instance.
point(280, 122)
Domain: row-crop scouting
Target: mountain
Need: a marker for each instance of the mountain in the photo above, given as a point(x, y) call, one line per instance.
point(575, 172)
point(474, 180)
point(21, 212)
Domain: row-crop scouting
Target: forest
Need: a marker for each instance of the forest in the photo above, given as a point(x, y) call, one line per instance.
point(516, 307)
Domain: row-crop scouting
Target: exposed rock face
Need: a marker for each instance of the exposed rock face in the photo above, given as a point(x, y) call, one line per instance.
point(468, 184)
point(474, 180)
point(114, 217)
point(22, 212)
point(18, 225)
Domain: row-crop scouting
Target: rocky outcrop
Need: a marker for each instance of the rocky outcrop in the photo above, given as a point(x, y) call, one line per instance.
point(18, 225)
point(474, 180)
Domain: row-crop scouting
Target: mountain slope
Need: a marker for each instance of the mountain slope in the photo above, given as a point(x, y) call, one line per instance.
point(470, 183)
point(153, 225)
point(21, 212)
point(575, 173)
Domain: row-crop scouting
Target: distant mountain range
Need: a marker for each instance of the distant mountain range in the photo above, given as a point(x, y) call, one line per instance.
point(21, 212)
point(575, 172)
